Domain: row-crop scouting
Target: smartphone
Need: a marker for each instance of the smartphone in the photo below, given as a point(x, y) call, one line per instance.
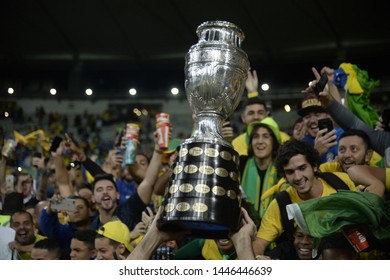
point(118, 138)
point(320, 85)
point(55, 143)
point(386, 119)
point(325, 123)
point(121, 145)
point(67, 204)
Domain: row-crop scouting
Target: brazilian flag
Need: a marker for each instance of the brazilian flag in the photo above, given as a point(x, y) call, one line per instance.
point(358, 85)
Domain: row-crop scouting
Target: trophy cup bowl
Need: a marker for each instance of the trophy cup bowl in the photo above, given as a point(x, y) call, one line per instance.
point(203, 192)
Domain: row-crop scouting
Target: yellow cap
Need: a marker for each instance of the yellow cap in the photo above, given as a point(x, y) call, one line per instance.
point(270, 123)
point(117, 231)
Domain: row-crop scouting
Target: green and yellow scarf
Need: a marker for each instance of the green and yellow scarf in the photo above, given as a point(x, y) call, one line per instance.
point(252, 184)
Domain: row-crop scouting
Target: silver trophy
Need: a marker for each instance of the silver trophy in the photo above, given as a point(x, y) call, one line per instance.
point(203, 192)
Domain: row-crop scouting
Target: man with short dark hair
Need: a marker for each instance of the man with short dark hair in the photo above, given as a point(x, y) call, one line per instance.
point(79, 219)
point(106, 195)
point(298, 162)
point(22, 222)
point(82, 245)
point(325, 142)
point(254, 109)
point(46, 249)
point(353, 149)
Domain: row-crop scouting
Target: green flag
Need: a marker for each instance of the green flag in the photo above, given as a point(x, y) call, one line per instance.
point(325, 215)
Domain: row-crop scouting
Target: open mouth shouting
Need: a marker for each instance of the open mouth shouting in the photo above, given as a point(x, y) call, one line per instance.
point(106, 201)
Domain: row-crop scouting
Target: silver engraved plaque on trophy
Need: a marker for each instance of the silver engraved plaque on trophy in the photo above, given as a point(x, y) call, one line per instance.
point(204, 193)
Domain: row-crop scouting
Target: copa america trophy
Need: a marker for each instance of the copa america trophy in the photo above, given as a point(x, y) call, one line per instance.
point(203, 192)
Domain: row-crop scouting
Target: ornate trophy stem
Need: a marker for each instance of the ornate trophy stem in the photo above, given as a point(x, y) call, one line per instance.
point(208, 127)
point(203, 192)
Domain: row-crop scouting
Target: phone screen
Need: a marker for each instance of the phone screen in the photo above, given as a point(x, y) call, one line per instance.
point(67, 204)
point(55, 143)
point(320, 85)
point(118, 140)
point(325, 123)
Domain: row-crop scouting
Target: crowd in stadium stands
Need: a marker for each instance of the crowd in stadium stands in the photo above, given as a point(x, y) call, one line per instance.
point(79, 197)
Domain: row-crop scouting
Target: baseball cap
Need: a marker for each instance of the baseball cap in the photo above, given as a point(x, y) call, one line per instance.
point(270, 123)
point(117, 231)
point(250, 100)
point(310, 104)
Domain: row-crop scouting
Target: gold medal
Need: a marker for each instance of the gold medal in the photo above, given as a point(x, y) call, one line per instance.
point(183, 152)
point(231, 194)
point(178, 169)
point(183, 206)
point(202, 188)
point(190, 169)
point(226, 155)
point(222, 172)
point(234, 176)
point(211, 152)
point(199, 207)
point(169, 207)
point(217, 190)
point(173, 189)
point(186, 188)
point(195, 151)
point(206, 169)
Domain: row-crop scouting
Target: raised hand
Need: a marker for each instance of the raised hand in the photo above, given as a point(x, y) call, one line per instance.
point(325, 140)
point(252, 82)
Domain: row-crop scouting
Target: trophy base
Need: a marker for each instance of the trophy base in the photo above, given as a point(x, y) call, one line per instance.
point(203, 193)
point(199, 229)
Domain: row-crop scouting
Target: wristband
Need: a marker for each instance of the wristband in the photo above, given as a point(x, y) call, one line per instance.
point(253, 94)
